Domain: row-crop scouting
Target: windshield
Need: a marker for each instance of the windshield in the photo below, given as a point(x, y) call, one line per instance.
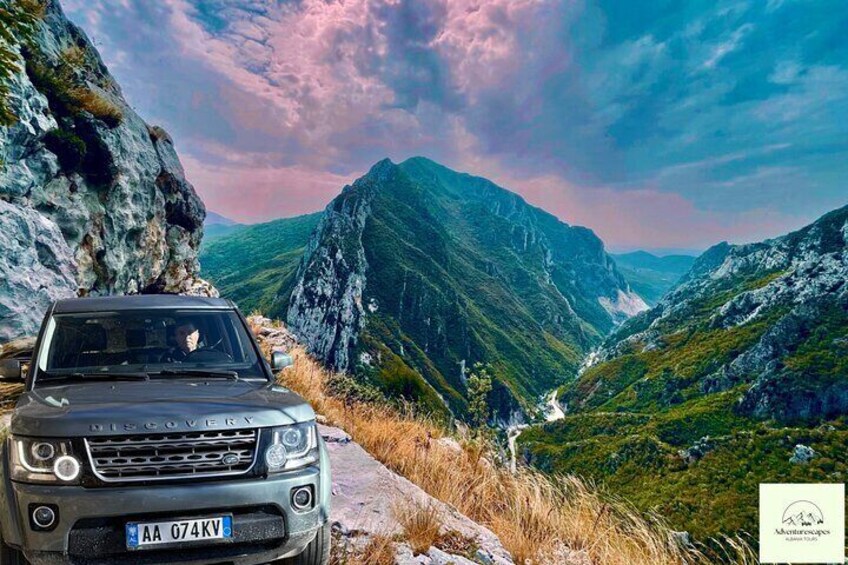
point(154, 343)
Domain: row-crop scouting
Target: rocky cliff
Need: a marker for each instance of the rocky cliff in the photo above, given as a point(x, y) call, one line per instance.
point(416, 272)
point(737, 377)
point(792, 292)
point(92, 199)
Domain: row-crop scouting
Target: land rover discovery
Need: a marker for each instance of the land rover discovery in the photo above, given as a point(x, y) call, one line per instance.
point(151, 430)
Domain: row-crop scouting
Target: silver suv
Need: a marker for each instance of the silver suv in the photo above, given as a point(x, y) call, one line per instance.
point(151, 430)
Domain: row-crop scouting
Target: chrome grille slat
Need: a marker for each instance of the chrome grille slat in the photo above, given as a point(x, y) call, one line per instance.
point(184, 445)
point(160, 439)
point(147, 457)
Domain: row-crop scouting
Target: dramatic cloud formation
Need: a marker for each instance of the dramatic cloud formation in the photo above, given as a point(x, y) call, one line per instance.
point(657, 124)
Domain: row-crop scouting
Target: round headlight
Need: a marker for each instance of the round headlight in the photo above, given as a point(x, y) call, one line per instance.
point(42, 451)
point(292, 437)
point(66, 468)
point(275, 456)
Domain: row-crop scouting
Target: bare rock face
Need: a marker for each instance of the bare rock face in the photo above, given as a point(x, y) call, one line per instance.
point(795, 287)
point(36, 267)
point(92, 199)
point(326, 310)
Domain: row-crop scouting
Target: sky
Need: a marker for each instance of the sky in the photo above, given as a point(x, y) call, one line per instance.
point(660, 125)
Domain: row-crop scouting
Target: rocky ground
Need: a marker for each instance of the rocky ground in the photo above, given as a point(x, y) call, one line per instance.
point(369, 502)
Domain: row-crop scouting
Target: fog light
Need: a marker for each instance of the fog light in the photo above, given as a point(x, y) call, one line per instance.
point(66, 468)
point(275, 456)
point(44, 517)
point(302, 498)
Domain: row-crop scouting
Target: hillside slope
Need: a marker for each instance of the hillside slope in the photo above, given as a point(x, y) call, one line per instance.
point(651, 276)
point(416, 272)
point(538, 520)
point(257, 263)
point(92, 199)
point(691, 404)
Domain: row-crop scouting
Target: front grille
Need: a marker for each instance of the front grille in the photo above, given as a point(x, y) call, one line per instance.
point(172, 456)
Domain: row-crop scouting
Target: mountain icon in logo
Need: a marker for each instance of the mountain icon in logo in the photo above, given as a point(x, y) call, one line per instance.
point(803, 513)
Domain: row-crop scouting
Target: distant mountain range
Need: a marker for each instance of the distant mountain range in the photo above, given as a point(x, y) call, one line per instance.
point(652, 276)
point(254, 264)
point(687, 407)
point(415, 272)
point(216, 226)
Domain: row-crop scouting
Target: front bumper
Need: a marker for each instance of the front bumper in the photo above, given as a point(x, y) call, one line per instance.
point(90, 527)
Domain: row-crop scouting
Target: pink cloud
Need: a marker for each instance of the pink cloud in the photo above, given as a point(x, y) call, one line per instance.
point(645, 216)
point(305, 62)
point(316, 66)
point(653, 218)
point(249, 193)
point(487, 42)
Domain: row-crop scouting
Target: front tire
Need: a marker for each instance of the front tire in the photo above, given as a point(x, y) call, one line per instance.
point(316, 553)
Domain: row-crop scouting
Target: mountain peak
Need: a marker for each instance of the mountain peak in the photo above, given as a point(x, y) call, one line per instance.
point(382, 169)
point(421, 271)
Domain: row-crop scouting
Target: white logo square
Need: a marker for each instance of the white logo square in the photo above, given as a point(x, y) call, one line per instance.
point(802, 523)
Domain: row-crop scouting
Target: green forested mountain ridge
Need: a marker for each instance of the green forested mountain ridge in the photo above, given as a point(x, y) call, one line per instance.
point(652, 276)
point(257, 262)
point(687, 407)
point(415, 272)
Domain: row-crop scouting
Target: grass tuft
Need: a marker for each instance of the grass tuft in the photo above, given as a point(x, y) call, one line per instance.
point(66, 88)
point(421, 523)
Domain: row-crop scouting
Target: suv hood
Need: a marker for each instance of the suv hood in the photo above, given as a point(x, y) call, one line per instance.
point(155, 406)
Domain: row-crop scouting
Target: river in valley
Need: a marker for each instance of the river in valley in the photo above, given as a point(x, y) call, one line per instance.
point(553, 412)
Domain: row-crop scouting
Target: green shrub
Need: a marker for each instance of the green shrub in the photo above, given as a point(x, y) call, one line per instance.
point(479, 387)
point(17, 22)
point(68, 148)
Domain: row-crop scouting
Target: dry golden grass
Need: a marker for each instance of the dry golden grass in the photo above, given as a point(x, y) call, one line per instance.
point(378, 551)
point(421, 523)
point(531, 513)
point(86, 99)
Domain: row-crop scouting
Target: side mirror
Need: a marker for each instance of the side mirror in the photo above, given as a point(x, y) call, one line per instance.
point(11, 370)
point(280, 360)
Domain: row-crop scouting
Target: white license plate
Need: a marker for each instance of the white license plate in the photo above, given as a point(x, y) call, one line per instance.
point(145, 534)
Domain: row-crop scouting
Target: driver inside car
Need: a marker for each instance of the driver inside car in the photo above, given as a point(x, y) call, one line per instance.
point(186, 340)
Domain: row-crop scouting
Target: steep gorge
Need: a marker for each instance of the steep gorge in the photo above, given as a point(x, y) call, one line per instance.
point(687, 407)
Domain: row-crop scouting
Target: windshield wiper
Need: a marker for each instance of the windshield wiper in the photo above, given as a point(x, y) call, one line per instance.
point(205, 373)
point(112, 376)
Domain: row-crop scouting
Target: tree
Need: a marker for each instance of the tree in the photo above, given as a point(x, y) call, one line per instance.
point(479, 387)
